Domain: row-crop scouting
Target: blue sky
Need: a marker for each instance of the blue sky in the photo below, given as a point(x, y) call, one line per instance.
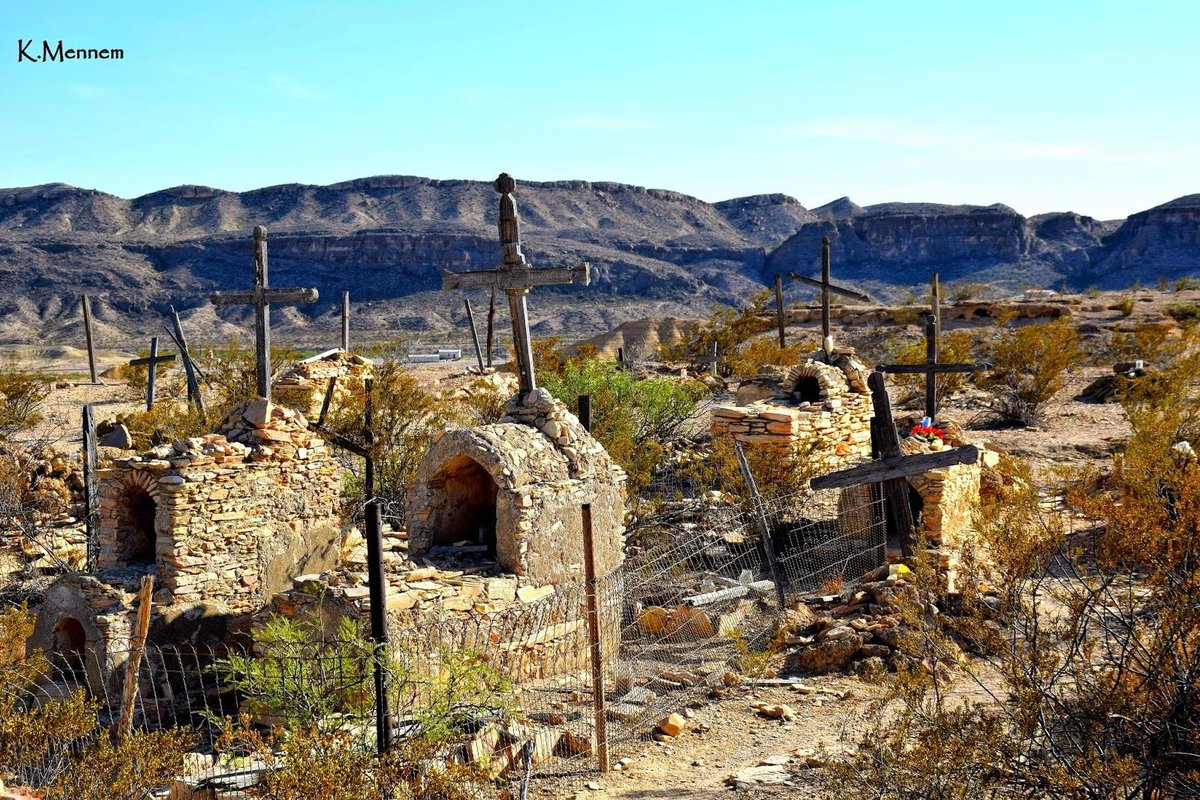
point(1091, 107)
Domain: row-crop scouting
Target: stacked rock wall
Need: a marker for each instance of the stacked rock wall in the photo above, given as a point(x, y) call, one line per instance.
point(819, 412)
point(236, 514)
point(304, 387)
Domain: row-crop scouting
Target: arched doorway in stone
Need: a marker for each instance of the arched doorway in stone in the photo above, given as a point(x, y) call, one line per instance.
point(136, 529)
point(69, 650)
point(463, 497)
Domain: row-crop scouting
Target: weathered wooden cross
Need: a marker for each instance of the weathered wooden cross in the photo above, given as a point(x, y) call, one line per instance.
point(827, 287)
point(516, 278)
point(261, 297)
point(152, 362)
point(932, 367)
point(892, 466)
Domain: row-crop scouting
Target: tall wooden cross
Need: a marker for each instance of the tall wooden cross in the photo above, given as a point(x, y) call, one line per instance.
point(152, 362)
point(931, 368)
point(827, 287)
point(261, 297)
point(516, 278)
point(892, 466)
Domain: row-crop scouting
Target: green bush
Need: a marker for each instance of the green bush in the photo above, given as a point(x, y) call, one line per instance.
point(1029, 366)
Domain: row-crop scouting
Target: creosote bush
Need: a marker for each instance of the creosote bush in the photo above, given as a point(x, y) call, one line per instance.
point(22, 393)
point(1029, 366)
point(728, 327)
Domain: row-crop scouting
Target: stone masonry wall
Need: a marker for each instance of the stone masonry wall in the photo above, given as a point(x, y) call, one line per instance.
point(304, 387)
point(239, 513)
point(832, 429)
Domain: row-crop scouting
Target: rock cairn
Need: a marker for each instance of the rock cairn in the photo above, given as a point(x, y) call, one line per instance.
point(304, 387)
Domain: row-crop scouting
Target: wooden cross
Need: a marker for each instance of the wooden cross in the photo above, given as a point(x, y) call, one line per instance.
point(827, 287)
point(516, 278)
point(152, 362)
point(261, 297)
point(931, 368)
point(892, 466)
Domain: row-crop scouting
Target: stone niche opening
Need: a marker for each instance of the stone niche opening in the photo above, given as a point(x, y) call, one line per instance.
point(464, 503)
point(806, 389)
point(68, 649)
point(916, 506)
point(136, 532)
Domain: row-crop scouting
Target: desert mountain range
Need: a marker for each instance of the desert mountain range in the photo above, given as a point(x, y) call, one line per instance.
point(654, 253)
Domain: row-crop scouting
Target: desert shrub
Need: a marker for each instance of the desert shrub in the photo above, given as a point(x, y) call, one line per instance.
point(1152, 341)
point(728, 327)
point(1184, 312)
point(229, 380)
point(955, 347)
point(22, 393)
point(1184, 284)
point(906, 315)
point(308, 681)
point(1124, 306)
point(763, 351)
point(1029, 366)
point(633, 418)
point(406, 418)
point(1092, 292)
point(962, 292)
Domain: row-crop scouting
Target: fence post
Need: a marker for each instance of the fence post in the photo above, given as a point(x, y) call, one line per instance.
point(761, 512)
point(91, 494)
point(779, 310)
point(136, 645)
point(597, 659)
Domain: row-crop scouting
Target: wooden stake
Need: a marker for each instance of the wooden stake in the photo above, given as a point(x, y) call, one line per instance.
point(137, 644)
point(779, 310)
point(346, 321)
point(491, 326)
point(189, 368)
point(826, 334)
point(761, 512)
point(87, 332)
point(474, 334)
point(91, 494)
point(597, 652)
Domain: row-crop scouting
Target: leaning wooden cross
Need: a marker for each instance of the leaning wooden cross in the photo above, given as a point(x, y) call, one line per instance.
point(827, 287)
point(932, 367)
point(261, 297)
point(192, 374)
point(892, 466)
point(152, 362)
point(516, 278)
